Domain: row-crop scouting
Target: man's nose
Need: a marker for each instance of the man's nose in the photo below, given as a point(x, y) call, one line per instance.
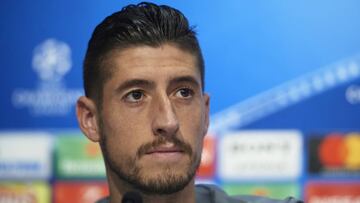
point(165, 122)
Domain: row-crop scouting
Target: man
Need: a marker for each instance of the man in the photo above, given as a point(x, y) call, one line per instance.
point(145, 104)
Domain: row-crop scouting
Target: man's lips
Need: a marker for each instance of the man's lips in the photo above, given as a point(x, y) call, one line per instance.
point(167, 154)
point(165, 150)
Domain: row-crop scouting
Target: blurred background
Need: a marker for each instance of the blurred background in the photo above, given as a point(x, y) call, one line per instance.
point(284, 80)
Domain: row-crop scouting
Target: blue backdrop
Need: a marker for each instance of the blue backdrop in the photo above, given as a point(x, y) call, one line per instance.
point(269, 64)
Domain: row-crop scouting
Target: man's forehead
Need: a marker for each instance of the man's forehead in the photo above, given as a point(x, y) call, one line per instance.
point(147, 59)
point(145, 62)
point(148, 55)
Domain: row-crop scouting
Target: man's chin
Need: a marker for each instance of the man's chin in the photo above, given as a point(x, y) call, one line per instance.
point(165, 178)
point(161, 184)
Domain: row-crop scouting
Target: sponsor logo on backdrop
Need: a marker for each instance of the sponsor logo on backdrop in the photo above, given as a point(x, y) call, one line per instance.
point(207, 165)
point(258, 155)
point(24, 192)
point(272, 190)
point(79, 192)
point(77, 157)
point(335, 154)
point(25, 155)
point(51, 62)
point(332, 192)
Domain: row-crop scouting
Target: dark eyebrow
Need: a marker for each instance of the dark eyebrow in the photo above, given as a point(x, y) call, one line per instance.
point(185, 79)
point(133, 83)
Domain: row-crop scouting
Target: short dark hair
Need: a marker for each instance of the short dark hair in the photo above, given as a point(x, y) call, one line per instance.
point(135, 25)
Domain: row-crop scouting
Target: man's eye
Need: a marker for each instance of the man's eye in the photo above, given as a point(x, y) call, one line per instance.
point(185, 93)
point(134, 96)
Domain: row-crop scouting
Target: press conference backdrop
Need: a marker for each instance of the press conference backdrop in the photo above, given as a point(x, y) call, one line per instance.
point(284, 80)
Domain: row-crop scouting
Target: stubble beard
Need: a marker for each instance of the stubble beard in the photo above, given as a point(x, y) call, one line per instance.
point(165, 182)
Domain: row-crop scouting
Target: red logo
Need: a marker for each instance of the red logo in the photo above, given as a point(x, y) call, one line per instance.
point(332, 192)
point(79, 192)
point(333, 151)
point(341, 151)
point(207, 165)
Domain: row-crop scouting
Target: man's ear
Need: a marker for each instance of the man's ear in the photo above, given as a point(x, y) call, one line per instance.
point(87, 114)
point(207, 112)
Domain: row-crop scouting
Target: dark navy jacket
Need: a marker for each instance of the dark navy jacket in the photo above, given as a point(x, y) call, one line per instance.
point(213, 194)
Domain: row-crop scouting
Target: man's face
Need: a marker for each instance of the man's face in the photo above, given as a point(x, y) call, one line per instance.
point(153, 118)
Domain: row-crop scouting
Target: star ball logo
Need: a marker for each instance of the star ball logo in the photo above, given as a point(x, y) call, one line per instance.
point(51, 61)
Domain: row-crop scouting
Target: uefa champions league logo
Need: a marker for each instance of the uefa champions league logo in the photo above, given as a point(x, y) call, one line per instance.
point(51, 62)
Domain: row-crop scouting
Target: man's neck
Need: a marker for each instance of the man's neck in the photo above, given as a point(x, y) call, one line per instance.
point(119, 189)
point(187, 195)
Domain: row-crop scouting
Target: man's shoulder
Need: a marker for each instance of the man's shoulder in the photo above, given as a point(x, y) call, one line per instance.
point(213, 194)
